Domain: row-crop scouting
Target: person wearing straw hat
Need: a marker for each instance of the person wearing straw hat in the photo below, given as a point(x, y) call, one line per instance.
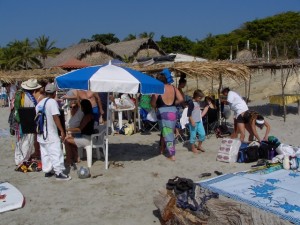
point(26, 145)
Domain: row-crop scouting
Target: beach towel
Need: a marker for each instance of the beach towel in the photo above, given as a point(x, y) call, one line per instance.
point(277, 192)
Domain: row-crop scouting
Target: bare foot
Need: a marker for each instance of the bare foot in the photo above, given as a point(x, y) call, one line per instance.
point(172, 158)
point(195, 151)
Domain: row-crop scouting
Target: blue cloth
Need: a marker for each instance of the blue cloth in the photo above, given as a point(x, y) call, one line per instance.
point(167, 73)
point(96, 114)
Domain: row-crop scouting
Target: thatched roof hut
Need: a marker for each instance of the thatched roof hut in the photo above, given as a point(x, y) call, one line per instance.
point(21, 75)
point(137, 48)
point(92, 53)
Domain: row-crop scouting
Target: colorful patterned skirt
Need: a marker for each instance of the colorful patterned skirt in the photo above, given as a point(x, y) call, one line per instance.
point(167, 117)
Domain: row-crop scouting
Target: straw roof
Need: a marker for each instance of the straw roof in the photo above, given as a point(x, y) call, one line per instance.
point(21, 75)
point(130, 49)
point(195, 70)
point(89, 53)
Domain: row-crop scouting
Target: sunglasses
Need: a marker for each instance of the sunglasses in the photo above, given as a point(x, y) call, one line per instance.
point(73, 107)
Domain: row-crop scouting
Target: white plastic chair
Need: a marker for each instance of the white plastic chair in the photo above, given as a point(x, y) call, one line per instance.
point(97, 142)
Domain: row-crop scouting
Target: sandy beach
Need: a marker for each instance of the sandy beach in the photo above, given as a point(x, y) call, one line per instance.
point(123, 195)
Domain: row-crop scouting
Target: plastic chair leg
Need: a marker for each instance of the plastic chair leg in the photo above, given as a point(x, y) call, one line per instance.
point(89, 155)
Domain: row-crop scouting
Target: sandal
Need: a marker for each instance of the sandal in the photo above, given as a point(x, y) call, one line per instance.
point(201, 149)
point(171, 183)
point(204, 175)
point(218, 173)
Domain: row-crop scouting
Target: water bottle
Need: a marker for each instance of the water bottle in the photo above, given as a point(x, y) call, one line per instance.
point(271, 154)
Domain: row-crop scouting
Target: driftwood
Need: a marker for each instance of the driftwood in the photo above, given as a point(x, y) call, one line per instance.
point(218, 211)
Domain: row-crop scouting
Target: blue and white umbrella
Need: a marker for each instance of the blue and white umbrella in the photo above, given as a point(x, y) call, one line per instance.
point(110, 78)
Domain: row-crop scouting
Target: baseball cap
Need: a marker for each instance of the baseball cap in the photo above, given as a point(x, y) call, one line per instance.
point(50, 88)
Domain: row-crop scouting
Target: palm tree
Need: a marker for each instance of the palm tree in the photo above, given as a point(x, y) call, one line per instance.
point(44, 47)
point(147, 35)
point(130, 37)
point(24, 55)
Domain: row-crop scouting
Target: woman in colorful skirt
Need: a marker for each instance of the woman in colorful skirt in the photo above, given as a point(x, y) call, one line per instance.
point(167, 115)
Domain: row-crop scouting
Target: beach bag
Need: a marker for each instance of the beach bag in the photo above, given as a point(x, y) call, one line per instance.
point(248, 154)
point(41, 120)
point(228, 151)
point(266, 150)
point(222, 131)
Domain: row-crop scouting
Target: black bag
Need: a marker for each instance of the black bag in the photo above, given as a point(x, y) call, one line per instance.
point(222, 131)
point(248, 154)
point(266, 150)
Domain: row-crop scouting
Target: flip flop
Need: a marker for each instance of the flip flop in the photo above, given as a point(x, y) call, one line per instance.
point(218, 173)
point(201, 149)
point(204, 175)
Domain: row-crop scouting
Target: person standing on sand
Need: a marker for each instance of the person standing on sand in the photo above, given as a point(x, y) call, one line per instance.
point(240, 109)
point(195, 121)
point(95, 101)
point(51, 152)
point(167, 115)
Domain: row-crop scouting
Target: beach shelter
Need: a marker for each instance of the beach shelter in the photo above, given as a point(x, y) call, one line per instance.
point(110, 78)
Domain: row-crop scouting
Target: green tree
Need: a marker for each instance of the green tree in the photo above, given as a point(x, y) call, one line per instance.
point(105, 39)
point(176, 44)
point(24, 56)
point(130, 37)
point(147, 35)
point(44, 47)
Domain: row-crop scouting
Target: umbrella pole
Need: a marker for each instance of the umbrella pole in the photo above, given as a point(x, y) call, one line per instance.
point(106, 139)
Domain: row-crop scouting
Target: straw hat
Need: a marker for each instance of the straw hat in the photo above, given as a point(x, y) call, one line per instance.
point(30, 84)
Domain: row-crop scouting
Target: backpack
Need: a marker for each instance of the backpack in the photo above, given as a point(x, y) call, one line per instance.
point(41, 119)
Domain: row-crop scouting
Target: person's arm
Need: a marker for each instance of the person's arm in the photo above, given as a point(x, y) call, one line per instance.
point(268, 128)
point(189, 113)
point(253, 128)
point(99, 103)
point(179, 98)
point(204, 111)
point(59, 126)
point(85, 120)
point(153, 101)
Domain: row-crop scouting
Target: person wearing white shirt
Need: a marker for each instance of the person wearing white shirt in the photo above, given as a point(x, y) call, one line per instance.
point(240, 109)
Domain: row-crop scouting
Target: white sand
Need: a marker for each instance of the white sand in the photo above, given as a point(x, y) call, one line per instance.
point(121, 195)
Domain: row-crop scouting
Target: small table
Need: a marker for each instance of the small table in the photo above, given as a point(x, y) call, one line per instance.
point(288, 99)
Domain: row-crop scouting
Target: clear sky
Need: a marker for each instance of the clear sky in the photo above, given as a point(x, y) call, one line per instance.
point(68, 21)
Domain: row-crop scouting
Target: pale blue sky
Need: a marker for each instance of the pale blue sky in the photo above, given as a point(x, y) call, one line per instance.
point(67, 21)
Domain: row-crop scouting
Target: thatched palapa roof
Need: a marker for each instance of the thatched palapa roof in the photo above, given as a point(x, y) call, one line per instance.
point(21, 75)
point(194, 70)
point(130, 49)
point(84, 52)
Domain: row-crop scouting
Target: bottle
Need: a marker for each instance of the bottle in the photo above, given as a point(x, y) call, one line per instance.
point(271, 154)
point(286, 162)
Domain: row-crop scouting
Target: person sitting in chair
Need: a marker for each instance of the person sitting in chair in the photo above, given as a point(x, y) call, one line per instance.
point(210, 111)
point(86, 128)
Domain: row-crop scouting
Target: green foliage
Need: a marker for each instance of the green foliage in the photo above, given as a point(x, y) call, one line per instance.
point(105, 39)
point(176, 44)
point(44, 47)
point(282, 31)
point(130, 37)
point(147, 35)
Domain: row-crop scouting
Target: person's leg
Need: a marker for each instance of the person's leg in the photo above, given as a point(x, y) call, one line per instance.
point(201, 133)
point(45, 158)
point(71, 149)
point(241, 130)
point(56, 157)
point(235, 130)
point(251, 134)
point(193, 133)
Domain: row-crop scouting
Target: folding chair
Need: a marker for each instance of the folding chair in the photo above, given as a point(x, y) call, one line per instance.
point(149, 122)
